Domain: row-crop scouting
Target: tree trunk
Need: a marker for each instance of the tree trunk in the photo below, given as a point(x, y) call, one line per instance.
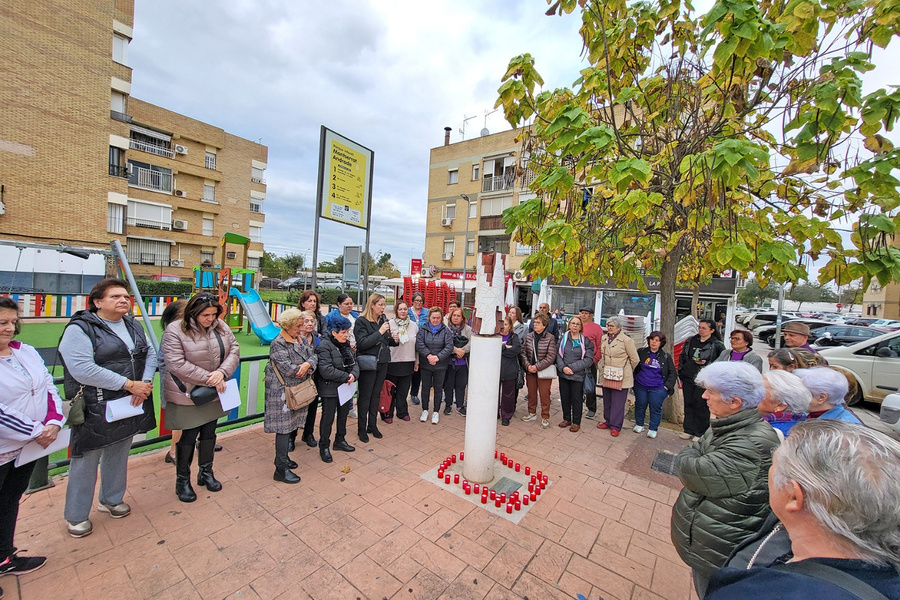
point(673, 408)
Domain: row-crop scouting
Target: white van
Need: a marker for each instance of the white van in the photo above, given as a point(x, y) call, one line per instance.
point(875, 362)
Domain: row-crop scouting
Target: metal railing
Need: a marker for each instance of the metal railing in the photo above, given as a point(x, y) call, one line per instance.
point(148, 179)
point(149, 223)
point(258, 180)
point(494, 183)
point(152, 148)
point(118, 171)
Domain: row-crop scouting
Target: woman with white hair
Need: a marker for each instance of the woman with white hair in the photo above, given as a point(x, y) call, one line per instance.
point(618, 359)
point(293, 354)
point(786, 402)
point(828, 388)
point(725, 495)
point(834, 487)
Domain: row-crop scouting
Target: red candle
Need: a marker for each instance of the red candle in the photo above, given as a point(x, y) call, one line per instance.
point(497, 502)
point(533, 496)
point(503, 457)
point(539, 474)
point(509, 508)
point(527, 470)
point(456, 478)
point(453, 458)
point(530, 487)
point(518, 467)
point(476, 488)
point(502, 497)
point(462, 456)
point(484, 498)
point(525, 499)
point(518, 505)
point(495, 454)
point(545, 479)
point(493, 494)
point(537, 490)
point(465, 482)
point(509, 463)
point(467, 490)
point(440, 473)
point(447, 478)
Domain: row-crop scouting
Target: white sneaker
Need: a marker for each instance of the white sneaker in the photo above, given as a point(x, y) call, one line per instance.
point(685, 436)
point(424, 416)
point(638, 428)
point(530, 417)
point(651, 434)
point(435, 418)
point(545, 423)
point(353, 414)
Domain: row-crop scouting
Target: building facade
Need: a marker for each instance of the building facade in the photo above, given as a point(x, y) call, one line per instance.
point(882, 302)
point(83, 163)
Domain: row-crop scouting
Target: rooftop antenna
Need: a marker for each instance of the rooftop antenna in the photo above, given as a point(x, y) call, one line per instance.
point(487, 113)
point(465, 120)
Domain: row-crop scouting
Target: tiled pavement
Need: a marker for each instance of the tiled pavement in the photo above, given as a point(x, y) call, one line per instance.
point(377, 531)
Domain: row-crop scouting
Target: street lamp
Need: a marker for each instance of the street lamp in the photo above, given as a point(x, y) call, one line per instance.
point(465, 250)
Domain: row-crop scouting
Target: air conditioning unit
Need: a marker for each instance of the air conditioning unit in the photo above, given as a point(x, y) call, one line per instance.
point(176, 262)
point(446, 222)
point(231, 254)
point(181, 193)
point(446, 256)
point(518, 276)
point(179, 149)
point(180, 225)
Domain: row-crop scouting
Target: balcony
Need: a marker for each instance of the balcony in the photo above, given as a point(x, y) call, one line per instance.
point(261, 180)
point(491, 222)
point(149, 223)
point(496, 183)
point(119, 116)
point(118, 171)
point(152, 148)
point(150, 180)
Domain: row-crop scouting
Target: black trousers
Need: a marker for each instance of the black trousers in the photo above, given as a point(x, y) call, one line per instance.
point(400, 404)
point(370, 384)
point(570, 396)
point(590, 398)
point(455, 385)
point(330, 407)
point(310, 423)
point(696, 412)
point(432, 380)
point(13, 483)
point(416, 382)
point(189, 437)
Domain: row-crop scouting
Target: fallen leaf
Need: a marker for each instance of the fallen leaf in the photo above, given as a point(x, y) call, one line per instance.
point(346, 469)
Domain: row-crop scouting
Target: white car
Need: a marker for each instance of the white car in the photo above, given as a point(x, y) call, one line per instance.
point(890, 411)
point(875, 362)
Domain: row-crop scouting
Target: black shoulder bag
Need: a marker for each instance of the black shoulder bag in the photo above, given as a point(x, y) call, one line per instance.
point(203, 394)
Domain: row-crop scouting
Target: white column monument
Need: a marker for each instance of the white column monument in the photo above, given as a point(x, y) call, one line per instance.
point(484, 369)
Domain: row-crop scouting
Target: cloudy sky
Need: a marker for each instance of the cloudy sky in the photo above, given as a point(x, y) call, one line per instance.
point(388, 75)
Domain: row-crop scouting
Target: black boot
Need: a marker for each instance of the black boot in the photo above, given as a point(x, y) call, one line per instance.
point(205, 475)
point(282, 447)
point(363, 437)
point(290, 463)
point(373, 429)
point(325, 454)
point(283, 473)
point(292, 443)
point(184, 455)
point(341, 444)
point(309, 440)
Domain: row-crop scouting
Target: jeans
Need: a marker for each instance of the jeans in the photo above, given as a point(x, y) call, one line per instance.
point(113, 463)
point(652, 397)
point(13, 483)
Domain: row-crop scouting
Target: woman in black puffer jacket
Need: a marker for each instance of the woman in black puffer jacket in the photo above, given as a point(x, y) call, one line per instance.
point(337, 366)
point(434, 343)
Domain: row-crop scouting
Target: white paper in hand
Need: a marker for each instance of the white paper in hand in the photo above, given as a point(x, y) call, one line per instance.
point(231, 397)
point(33, 451)
point(121, 408)
point(345, 392)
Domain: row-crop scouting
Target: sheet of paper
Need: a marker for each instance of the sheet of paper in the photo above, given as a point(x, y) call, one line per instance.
point(121, 408)
point(345, 392)
point(231, 397)
point(33, 451)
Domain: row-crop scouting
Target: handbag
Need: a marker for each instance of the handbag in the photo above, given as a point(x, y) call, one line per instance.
point(297, 396)
point(74, 409)
point(546, 372)
point(203, 394)
point(612, 377)
point(590, 384)
point(367, 362)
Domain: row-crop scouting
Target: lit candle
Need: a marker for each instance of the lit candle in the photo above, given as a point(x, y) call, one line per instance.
point(530, 487)
point(533, 496)
point(509, 508)
point(539, 474)
point(447, 478)
point(503, 457)
point(440, 473)
point(525, 499)
point(493, 494)
point(502, 497)
point(495, 454)
point(462, 456)
point(518, 505)
point(453, 458)
point(497, 502)
point(484, 498)
point(527, 470)
point(518, 467)
point(467, 490)
point(476, 488)
point(456, 478)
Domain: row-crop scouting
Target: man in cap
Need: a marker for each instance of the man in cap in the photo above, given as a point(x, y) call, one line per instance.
point(593, 332)
point(796, 335)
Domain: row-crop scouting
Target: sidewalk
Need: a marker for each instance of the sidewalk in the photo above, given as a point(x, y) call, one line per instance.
point(377, 531)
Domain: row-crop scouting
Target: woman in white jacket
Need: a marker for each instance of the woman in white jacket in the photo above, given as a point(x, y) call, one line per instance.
point(30, 410)
point(404, 361)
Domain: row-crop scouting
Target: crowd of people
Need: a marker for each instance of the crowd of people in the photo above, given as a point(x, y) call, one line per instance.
point(783, 488)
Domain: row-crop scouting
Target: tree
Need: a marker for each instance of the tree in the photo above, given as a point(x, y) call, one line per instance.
point(380, 265)
point(805, 292)
point(753, 295)
point(691, 144)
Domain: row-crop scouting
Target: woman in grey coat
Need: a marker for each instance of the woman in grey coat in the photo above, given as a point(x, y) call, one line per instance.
point(573, 361)
point(293, 353)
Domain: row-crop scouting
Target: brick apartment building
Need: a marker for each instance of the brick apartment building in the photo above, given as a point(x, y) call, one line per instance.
point(83, 163)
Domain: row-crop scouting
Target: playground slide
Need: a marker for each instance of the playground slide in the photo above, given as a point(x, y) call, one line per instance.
point(256, 311)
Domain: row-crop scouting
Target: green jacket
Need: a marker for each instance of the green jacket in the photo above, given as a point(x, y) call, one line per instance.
point(726, 489)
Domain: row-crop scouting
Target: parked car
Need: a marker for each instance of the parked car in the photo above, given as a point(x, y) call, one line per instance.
point(294, 283)
point(165, 277)
point(890, 411)
point(875, 363)
point(842, 335)
point(890, 324)
point(331, 284)
point(860, 321)
point(768, 318)
point(269, 283)
point(385, 290)
point(766, 333)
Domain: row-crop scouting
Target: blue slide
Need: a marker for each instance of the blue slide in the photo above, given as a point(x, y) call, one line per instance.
point(256, 311)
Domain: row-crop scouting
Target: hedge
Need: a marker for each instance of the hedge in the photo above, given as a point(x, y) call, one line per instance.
point(151, 287)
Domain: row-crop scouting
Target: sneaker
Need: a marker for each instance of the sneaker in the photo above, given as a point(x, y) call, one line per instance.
point(19, 565)
point(545, 423)
point(651, 434)
point(638, 428)
point(415, 400)
point(530, 417)
point(79, 530)
point(424, 416)
point(461, 410)
point(505, 422)
point(590, 414)
point(435, 418)
point(448, 410)
point(685, 436)
point(353, 414)
point(695, 438)
point(116, 511)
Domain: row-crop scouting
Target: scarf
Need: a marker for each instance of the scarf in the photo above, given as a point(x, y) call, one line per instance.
point(401, 329)
point(435, 328)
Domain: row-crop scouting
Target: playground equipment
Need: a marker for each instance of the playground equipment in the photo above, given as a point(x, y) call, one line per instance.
point(260, 321)
point(219, 280)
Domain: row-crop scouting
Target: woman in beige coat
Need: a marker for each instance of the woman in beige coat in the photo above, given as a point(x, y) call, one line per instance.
point(199, 350)
point(615, 370)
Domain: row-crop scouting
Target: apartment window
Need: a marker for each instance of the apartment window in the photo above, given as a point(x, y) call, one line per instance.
point(149, 177)
point(256, 205)
point(453, 176)
point(256, 234)
point(450, 211)
point(257, 175)
point(207, 226)
point(499, 174)
point(253, 262)
point(147, 252)
point(493, 244)
point(495, 206)
point(115, 218)
point(473, 210)
point(149, 214)
point(449, 245)
point(209, 193)
point(523, 250)
point(117, 102)
point(117, 166)
point(120, 49)
point(210, 160)
point(470, 246)
point(206, 258)
point(475, 170)
point(150, 141)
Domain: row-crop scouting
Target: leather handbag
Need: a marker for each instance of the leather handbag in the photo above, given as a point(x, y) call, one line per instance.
point(297, 396)
point(367, 362)
point(546, 372)
point(590, 384)
point(203, 394)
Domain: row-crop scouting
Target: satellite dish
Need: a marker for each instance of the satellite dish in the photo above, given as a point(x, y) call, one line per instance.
point(485, 132)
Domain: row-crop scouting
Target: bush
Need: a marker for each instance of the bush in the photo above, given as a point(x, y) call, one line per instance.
point(151, 287)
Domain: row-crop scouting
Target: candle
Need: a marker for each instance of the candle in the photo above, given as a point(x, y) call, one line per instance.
point(497, 502)
point(533, 496)
point(493, 494)
point(525, 499)
point(476, 488)
point(509, 508)
point(537, 490)
point(462, 456)
point(453, 458)
point(467, 490)
point(518, 467)
point(447, 478)
point(495, 454)
point(518, 505)
point(527, 470)
point(502, 497)
point(484, 498)
point(456, 478)
point(530, 487)
point(509, 463)
point(440, 473)
point(539, 474)
point(503, 457)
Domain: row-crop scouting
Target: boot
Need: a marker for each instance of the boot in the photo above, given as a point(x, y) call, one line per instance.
point(290, 463)
point(292, 445)
point(310, 440)
point(325, 454)
point(373, 429)
point(205, 475)
point(184, 455)
point(283, 473)
point(282, 447)
point(341, 444)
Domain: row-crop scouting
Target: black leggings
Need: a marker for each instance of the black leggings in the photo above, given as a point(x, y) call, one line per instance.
point(13, 483)
point(189, 437)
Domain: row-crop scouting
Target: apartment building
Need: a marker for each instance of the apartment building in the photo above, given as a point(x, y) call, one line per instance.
point(83, 163)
